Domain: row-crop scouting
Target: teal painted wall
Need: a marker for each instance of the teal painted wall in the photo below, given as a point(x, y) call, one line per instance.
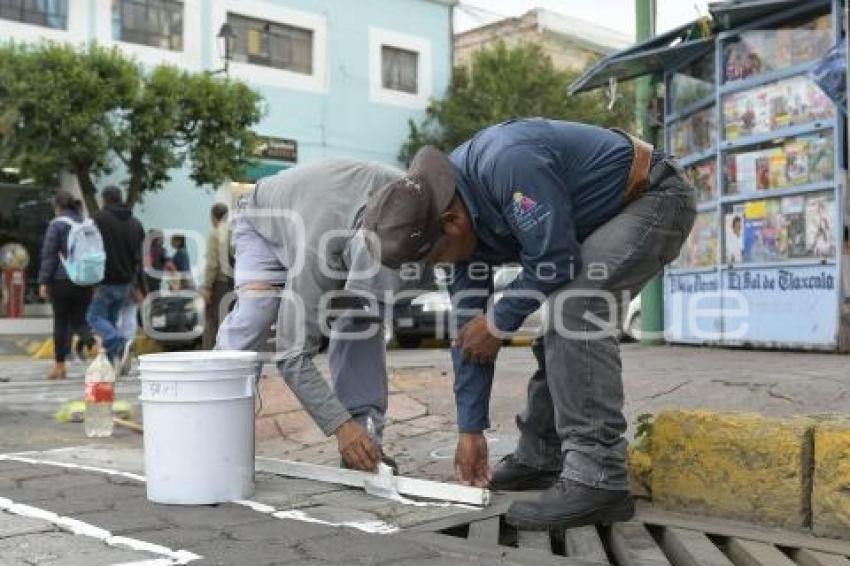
point(341, 121)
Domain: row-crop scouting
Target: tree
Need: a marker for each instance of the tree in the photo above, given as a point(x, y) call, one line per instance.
point(503, 83)
point(85, 111)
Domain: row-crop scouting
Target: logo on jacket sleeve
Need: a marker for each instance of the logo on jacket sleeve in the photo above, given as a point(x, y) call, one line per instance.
point(528, 213)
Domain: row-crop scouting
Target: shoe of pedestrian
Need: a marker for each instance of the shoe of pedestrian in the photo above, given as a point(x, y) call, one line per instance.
point(512, 475)
point(57, 372)
point(123, 367)
point(569, 504)
point(388, 460)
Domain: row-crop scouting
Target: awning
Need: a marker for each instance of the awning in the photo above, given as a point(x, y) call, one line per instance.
point(633, 63)
point(735, 13)
point(259, 169)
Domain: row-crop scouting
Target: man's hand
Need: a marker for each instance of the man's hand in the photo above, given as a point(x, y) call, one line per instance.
point(471, 464)
point(476, 342)
point(44, 291)
point(356, 447)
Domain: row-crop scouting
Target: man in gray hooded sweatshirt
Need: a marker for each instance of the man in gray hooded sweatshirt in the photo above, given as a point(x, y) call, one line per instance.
point(297, 243)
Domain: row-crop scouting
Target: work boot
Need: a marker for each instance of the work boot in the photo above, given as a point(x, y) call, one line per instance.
point(569, 504)
point(388, 460)
point(512, 475)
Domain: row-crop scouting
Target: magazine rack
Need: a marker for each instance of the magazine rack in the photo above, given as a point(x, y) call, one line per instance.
point(765, 149)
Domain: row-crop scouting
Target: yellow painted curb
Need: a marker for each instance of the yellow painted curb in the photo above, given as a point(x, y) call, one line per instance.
point(831, 492)
point(737, 466)
point(640, 472)
point(44, 351)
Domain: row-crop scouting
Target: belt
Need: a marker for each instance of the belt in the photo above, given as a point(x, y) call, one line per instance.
point(639, 171)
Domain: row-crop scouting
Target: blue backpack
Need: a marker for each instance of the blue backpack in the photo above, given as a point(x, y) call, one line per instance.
point(86, 259)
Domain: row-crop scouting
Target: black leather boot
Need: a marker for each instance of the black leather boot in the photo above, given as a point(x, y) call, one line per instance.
point(512, 475)
point(568, 505)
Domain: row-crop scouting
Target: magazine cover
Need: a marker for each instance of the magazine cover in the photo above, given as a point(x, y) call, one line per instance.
point(745, 169)
point(771, 231)
point(793, 211)
point(761, 102)
point(731, 118)
point(753, 246)
point(777, 163)
point(780, 114)
point(782, 56)
point(830, 75)
point(796, 162)
point(820, 235)
point(762, 170)
point(730, 174)
point(733, 237)
point(821, 158)
point(704, 178)
point(798, 95)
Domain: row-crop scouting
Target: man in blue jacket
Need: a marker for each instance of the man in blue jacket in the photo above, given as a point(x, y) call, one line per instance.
point(591, 215)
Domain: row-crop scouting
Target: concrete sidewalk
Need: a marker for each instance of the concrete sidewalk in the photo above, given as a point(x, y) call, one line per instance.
point(422, 430)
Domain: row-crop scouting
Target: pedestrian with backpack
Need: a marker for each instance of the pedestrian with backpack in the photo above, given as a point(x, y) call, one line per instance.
point(69, 243)
point(123, 236)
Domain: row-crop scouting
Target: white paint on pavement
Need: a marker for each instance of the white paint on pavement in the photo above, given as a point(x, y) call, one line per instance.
point(72, 466)
point(81, 528)
point(256, 506)
point(374, 527)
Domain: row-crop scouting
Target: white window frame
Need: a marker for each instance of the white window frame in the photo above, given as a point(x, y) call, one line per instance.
point(189, 58)
point(260, 74)
point(378, 38)
point(75, 32)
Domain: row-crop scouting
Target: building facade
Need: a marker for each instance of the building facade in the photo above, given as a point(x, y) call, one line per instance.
point(339, 78)
point(571, 43)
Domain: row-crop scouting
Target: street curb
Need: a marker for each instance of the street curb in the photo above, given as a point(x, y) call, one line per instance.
point(24, 345)
point(41, 347)
point(791, 472)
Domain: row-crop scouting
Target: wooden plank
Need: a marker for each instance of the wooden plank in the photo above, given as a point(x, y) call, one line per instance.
point(737, 529)
point(584, 542)
point(485, 533)
point(752, 553)
point(806, 557)
point(691, 548)
point(534, 540)
point(632, 545)
point(406, 486)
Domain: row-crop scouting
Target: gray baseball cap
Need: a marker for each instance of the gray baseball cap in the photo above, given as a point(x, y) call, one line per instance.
point(405, 215)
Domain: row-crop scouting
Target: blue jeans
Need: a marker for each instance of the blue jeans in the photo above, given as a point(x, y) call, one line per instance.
point(102, 315)
point(574, 421)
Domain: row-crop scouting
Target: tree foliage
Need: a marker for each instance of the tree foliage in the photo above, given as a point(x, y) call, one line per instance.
point(85, 111)
point(504, 83)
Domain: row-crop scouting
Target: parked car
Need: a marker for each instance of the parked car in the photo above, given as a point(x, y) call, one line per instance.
point(427, 315)
point(175, 319)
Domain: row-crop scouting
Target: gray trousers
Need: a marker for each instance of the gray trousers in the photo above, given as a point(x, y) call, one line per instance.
point(358, 365)
point(573, 421)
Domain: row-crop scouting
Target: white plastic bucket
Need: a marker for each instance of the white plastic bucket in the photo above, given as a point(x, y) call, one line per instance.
point(198, 410)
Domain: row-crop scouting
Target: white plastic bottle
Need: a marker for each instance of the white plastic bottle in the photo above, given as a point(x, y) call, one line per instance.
point(100, 392)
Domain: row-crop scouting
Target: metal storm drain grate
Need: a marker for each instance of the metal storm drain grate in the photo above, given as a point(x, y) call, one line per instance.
point(656, 539)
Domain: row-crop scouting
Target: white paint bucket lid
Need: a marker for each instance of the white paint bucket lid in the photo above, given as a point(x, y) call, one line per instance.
point(177, 363)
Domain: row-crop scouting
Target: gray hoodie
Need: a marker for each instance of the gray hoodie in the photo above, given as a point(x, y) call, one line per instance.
point(296, 211)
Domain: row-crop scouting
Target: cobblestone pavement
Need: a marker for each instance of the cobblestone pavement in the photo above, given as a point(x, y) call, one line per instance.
point(117, 525)
point(421, 434)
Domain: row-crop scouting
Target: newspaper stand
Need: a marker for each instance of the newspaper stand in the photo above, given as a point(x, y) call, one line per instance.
point(765, 147)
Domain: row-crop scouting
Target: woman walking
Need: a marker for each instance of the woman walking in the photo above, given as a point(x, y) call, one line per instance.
point(69, 301)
